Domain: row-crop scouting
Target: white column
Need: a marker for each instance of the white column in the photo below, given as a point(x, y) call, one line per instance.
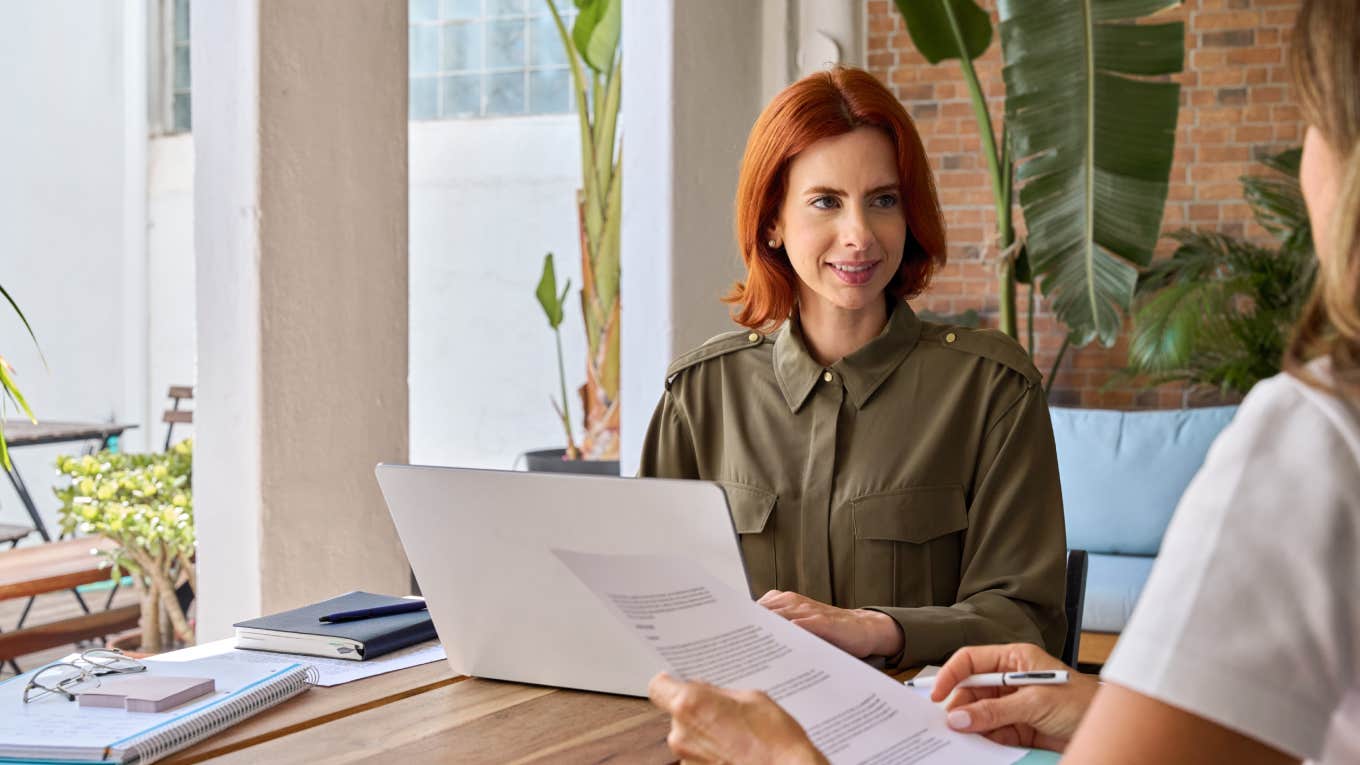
point(138, 397)
point(301, 245)
point(692, 87)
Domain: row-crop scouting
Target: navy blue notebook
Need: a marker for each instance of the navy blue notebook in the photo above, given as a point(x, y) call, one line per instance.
point(301, 631)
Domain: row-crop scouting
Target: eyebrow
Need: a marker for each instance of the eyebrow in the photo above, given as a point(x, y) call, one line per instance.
point(839, 193)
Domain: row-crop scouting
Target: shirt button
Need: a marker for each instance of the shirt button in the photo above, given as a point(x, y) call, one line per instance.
point(828, 376)
point(951, 337)
point(753, 337)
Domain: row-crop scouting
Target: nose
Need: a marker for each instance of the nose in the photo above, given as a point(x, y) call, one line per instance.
point(855, 233)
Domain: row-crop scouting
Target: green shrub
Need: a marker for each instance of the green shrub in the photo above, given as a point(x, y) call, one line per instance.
point(144, 504)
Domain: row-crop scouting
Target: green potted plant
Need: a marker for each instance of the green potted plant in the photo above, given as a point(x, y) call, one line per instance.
point(144, 504)
point(592, 48)
point(1087, 136)
point(1217, 313)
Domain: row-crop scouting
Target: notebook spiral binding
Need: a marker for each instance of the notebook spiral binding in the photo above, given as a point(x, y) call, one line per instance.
point(199, 726)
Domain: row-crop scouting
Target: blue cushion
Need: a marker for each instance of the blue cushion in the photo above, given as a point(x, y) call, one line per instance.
point(1113, 584)
point(1123, 472)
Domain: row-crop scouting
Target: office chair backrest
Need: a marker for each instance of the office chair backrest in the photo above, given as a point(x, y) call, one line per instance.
point(1072, 604)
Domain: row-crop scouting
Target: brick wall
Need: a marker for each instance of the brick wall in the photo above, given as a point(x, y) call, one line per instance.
point(1236, 105)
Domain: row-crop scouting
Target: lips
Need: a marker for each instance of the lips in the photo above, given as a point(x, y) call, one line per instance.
point(854, 273)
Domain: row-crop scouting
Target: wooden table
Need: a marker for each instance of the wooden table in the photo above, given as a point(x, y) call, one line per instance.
point(427, 714)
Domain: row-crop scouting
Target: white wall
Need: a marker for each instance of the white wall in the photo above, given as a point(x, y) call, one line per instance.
point(62, 219)
point(96, 230)
point(692, 89)
point(488, 198)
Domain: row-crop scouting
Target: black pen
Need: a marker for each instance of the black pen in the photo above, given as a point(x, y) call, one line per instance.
point(369, 613)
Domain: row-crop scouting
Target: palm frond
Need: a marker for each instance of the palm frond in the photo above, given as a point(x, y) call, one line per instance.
point(1218, 312)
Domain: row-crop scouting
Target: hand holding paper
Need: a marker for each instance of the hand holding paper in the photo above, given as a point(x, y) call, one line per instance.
point(704, 631)
point(711, 724)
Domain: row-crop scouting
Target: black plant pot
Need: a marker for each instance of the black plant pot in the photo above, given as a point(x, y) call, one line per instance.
point(551, 461)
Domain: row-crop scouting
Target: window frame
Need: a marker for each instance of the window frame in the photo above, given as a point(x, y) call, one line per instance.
point(161, 70)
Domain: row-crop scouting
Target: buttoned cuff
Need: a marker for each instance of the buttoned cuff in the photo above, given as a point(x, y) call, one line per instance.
point(929, 634)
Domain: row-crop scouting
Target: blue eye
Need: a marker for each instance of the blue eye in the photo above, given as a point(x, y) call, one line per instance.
point(825, 202)
point(885, 200)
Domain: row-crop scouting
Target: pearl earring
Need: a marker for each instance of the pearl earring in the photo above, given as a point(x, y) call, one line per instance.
point(772, 244)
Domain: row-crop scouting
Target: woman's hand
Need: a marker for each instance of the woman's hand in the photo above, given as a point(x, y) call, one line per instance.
point(710, 724)
point(1042, 716)
point(858, 632)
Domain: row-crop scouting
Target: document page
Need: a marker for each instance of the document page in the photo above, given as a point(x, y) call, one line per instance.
point(329, 671)
point(704, 630)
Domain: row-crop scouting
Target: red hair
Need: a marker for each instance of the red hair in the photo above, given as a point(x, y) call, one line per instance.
point(824, 105)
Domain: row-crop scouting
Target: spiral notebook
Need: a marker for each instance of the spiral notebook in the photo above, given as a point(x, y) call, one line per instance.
point(54, 730)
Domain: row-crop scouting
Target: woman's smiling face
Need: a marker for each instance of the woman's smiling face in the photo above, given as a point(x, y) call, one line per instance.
point(841, 222)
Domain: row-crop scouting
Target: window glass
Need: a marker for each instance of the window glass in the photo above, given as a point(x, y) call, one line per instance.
point(487, 58)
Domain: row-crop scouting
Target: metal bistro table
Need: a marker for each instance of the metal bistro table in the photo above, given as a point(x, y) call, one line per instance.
point(20, 433)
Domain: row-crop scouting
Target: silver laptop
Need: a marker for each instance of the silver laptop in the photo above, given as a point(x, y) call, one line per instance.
point(480, 543)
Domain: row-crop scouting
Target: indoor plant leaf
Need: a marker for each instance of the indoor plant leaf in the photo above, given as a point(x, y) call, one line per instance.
point(547, 293)
point(596, 32)
point(22, 318)
point(928, 23)
point(1095, 147)
point(1219, 311)
point(1276, 200)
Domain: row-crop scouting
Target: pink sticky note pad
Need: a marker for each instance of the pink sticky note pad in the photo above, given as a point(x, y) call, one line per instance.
point(146, 693)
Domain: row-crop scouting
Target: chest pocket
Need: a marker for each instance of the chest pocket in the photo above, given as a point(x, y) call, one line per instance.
point(909, 546)
point(752, 515)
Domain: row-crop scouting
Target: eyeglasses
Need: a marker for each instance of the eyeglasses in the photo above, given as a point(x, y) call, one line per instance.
point(81, 673)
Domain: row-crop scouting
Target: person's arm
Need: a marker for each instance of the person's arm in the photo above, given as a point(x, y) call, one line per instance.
point(1104, 724)
point(668, 450)
point(1124, 726)
point(1248, 620)
point(1012, 579)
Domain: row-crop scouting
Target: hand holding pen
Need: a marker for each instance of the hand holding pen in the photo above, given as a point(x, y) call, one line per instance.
point(1021, 712)
point(999, 679)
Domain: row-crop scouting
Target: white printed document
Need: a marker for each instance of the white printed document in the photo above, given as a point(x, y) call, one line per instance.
point(704, 630)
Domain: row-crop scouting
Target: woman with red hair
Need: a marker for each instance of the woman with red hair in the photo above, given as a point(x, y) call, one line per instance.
point(893, 481)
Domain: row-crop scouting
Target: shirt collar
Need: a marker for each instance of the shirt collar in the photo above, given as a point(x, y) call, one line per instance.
point(862, 371)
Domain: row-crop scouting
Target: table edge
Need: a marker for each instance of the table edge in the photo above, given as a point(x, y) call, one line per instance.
point(236, 746)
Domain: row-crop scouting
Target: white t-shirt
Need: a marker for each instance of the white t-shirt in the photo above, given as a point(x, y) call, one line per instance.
point(1251, 617)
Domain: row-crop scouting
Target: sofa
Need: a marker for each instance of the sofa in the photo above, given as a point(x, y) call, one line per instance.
point(1122, 475)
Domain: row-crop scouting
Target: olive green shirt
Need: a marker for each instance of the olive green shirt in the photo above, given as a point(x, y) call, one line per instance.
point(917, 476)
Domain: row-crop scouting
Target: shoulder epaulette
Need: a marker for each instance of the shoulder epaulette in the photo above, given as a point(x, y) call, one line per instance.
point(990, 344)
point(719, 345)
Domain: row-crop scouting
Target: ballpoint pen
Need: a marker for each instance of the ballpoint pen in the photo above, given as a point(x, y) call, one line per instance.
point(369, 613)
point(1000, 679)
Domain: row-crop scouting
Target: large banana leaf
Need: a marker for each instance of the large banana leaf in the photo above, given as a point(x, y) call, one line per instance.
point(931, 24)
point(1094, 140)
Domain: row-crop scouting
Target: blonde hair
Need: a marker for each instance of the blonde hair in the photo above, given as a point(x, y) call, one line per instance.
point(1325, 64)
